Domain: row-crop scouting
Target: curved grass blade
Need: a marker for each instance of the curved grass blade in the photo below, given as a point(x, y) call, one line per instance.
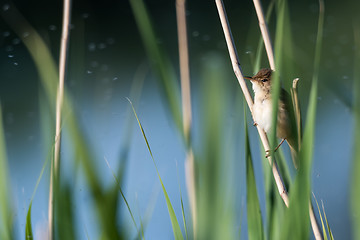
point(150, 208)
point(65, 216)
point(255, 225)
point(28, 225)
point(355, 180)
point(276, 84)
point(174, 222)
point(86, 233)
point(183, 215)
point(5, 205)
point(182, 205)
point(275, 218)
point(141, 226)
point(159, 60)
point(118, 185)
point(321, 219)
point(215, 191)
point(297, 216)
point(327, 223)
point(38, 50)
point(135, 93)
point(28, 228)
point(48, 74)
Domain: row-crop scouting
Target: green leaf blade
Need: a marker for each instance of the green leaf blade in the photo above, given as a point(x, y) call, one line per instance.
point(5, 205)
point(160, 62)
point(355, 180)
point(28, 227)
point(255, 225)
point(174, 222)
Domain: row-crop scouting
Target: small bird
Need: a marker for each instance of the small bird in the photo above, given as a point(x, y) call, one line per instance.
point(262, 111)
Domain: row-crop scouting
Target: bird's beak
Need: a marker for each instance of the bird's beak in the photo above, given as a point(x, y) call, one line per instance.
point(248, 78)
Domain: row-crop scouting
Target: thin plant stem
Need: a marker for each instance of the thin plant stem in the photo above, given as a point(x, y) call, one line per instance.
point(265, 33)
point(186, 107)
point(54, 176)
point(295, 100)
point(184, 67)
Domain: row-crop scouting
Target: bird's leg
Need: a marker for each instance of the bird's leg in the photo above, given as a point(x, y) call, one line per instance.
point(268, 151)
point(280, 144)
point(255, 124)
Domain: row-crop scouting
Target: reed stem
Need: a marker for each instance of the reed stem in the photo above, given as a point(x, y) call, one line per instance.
point(55, 164)
point(186, 107)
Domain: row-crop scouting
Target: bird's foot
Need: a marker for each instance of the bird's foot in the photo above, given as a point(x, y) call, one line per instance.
point(255, 124)
point(268, 153)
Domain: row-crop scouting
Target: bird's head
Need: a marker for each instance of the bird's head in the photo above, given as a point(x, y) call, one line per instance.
point(262, 80)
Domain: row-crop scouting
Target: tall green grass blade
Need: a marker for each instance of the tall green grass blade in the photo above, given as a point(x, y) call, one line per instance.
point(135, 93)
point(106, 204)
point(118, 185)
point(286, 64)
point(183, 215)
point(327, 223)
point(28, 228)
point(6, 220)
point(159, 60)
point(174, 222)
point(240, 224)
point(297, 216)
point(215, 207)
point(87, 234)
point(140, 234)
point(321, 219)
point(276, 218)
point(48, 136)
point(276, 84)
point(254, 219)
point(65, 219)
point(182, 205)
point(319, 40)
point(28, 225)
point(150, 208)
point(355, 183)
point(141, 226)
point(274, 204)
point(38, 50)
point(282, 55)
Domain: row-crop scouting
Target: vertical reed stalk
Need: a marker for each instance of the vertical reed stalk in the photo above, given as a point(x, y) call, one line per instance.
point(186, 106)
point(55, 164)
point(265, 33)
point(295, 100)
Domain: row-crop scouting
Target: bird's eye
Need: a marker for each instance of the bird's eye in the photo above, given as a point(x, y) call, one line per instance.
point(264, 80)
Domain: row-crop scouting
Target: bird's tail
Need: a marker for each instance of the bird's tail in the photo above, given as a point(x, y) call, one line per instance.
point(294, 148)
point(294, 155)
